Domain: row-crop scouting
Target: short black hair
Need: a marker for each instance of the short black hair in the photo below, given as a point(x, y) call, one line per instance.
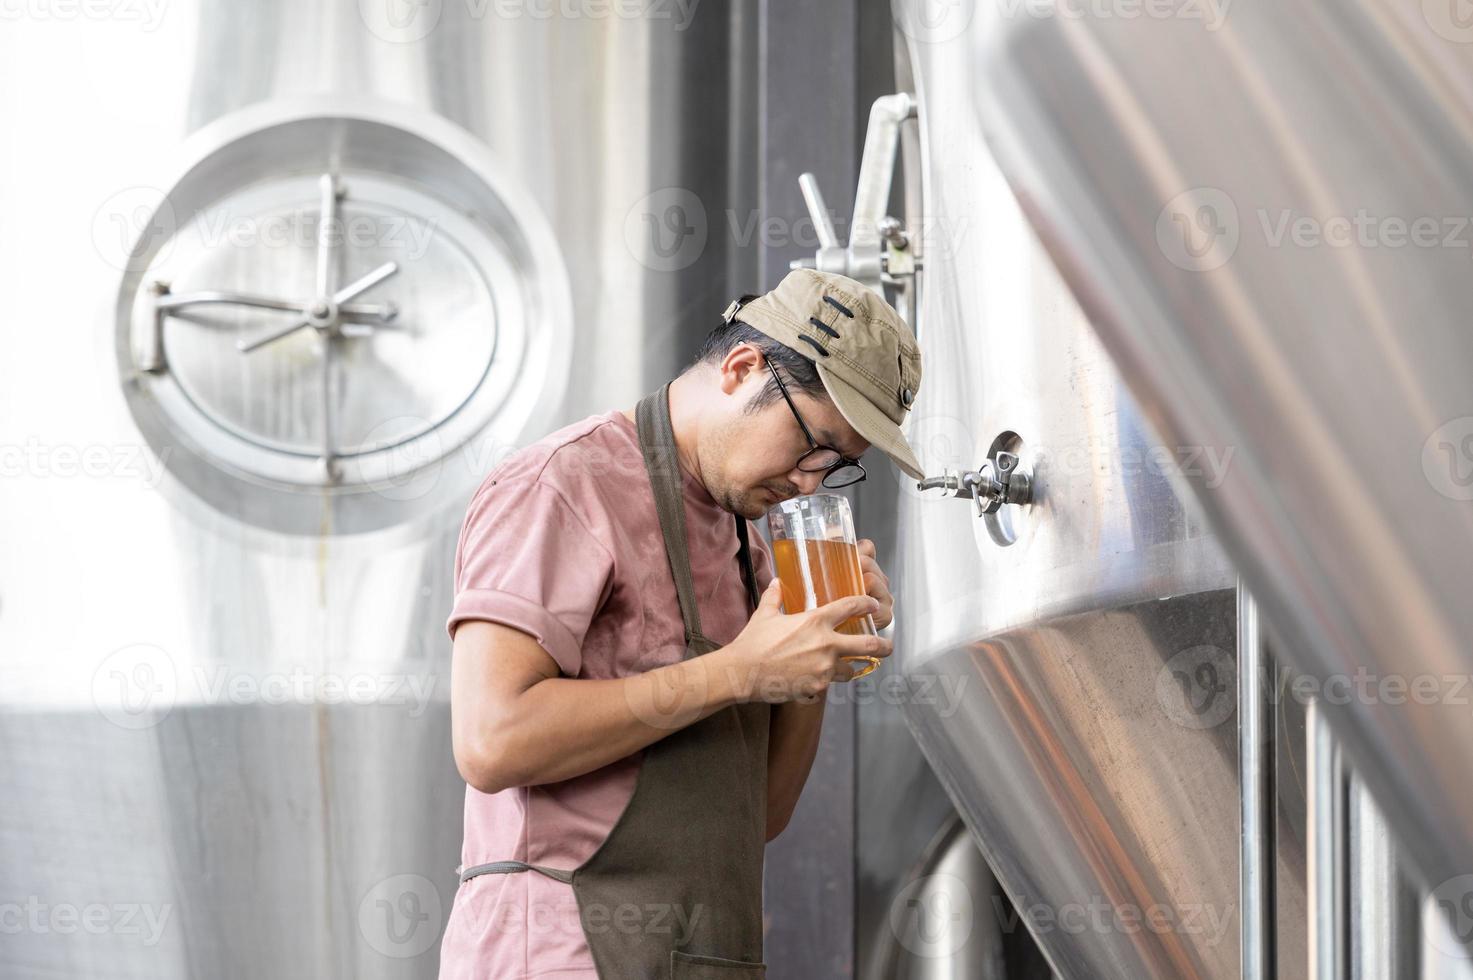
point(798, 371)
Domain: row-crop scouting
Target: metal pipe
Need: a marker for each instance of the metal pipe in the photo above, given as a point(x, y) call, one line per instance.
point(1256, 846)
point(1327, 850)
point(876, 168)
point(1385, 941)
point(823, 224)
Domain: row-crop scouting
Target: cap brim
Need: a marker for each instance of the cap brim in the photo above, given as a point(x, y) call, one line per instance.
point(871, 423)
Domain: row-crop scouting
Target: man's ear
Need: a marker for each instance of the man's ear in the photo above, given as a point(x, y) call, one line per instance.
point(739, 365)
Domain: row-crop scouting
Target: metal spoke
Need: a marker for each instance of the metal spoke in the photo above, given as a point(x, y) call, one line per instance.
point(375, 312)
point(365, 283)
point(326, 220)
point(327, 440)
point(219, 298)
point(246, 346)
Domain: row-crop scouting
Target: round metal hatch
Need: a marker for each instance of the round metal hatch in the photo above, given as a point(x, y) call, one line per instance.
point(327, 305)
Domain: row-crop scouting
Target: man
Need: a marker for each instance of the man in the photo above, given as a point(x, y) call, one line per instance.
point(633, 712)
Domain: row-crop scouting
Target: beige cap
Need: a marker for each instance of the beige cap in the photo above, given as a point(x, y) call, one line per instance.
point(865, 353)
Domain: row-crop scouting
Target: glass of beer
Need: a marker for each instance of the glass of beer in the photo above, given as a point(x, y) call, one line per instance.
point(817, 559)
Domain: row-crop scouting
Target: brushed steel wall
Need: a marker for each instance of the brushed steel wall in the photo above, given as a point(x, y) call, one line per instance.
point(224, 749)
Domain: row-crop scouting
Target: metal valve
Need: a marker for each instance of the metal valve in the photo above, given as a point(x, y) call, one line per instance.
point(997, 481)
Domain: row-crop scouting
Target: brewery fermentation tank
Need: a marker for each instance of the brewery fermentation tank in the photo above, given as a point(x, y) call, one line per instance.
point(289, 278)
point(1095, 781)
point(1164, 199)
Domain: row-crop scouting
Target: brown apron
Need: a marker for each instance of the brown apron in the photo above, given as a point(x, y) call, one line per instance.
point(675, 890)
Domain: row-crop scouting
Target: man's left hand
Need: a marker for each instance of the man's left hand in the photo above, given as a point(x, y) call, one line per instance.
point(876, 583)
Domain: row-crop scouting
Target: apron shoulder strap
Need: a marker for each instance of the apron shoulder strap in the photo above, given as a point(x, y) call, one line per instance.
point(657, 444)
point(744, 558)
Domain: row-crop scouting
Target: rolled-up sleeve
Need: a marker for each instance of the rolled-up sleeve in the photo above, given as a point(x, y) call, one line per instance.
point(526, 559)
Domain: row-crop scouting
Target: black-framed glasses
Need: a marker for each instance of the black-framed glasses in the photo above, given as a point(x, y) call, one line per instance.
point(838, 470)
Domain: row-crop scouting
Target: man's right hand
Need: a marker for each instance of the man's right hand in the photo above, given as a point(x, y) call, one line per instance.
point(781, 656)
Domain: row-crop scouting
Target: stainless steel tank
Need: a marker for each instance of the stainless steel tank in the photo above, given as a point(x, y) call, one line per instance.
point(1259, 207)
point(1084, 637)
point(224, 685)
point(1265, 208)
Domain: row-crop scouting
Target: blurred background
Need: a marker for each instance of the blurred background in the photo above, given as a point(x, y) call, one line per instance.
point(1183, 646)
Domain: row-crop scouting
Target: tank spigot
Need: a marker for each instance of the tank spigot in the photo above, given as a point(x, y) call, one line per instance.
point(997, 481)
point(952, 483)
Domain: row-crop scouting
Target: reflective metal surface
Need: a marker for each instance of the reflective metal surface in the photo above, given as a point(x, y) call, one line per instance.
point(224, 748)
point(944, 921)
point(349, 201)
point(1266, 214)
point(1257, 821)
point(1093, 747)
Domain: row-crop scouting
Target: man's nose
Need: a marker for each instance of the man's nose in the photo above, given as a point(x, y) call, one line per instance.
point(806, 482)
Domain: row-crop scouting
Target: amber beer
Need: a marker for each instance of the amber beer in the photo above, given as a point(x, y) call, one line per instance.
point(817, 560)
point(832, 572)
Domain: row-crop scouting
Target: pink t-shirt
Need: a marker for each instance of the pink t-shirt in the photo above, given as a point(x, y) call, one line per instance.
point(561, 541)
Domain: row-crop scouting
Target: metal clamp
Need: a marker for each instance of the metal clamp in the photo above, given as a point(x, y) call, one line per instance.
point(998, 481)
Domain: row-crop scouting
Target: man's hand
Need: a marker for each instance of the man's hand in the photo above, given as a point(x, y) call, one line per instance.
point(876, 583)
point(782, 657)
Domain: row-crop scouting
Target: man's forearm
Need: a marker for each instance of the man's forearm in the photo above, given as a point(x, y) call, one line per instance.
point(792, 745)
point(560, 728)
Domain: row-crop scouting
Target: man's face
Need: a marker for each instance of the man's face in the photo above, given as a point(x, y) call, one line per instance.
point(750, 461)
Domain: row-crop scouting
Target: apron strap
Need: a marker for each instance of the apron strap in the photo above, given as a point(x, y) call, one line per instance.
point(744, 558)
point(657, 444)
point(511, 867)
